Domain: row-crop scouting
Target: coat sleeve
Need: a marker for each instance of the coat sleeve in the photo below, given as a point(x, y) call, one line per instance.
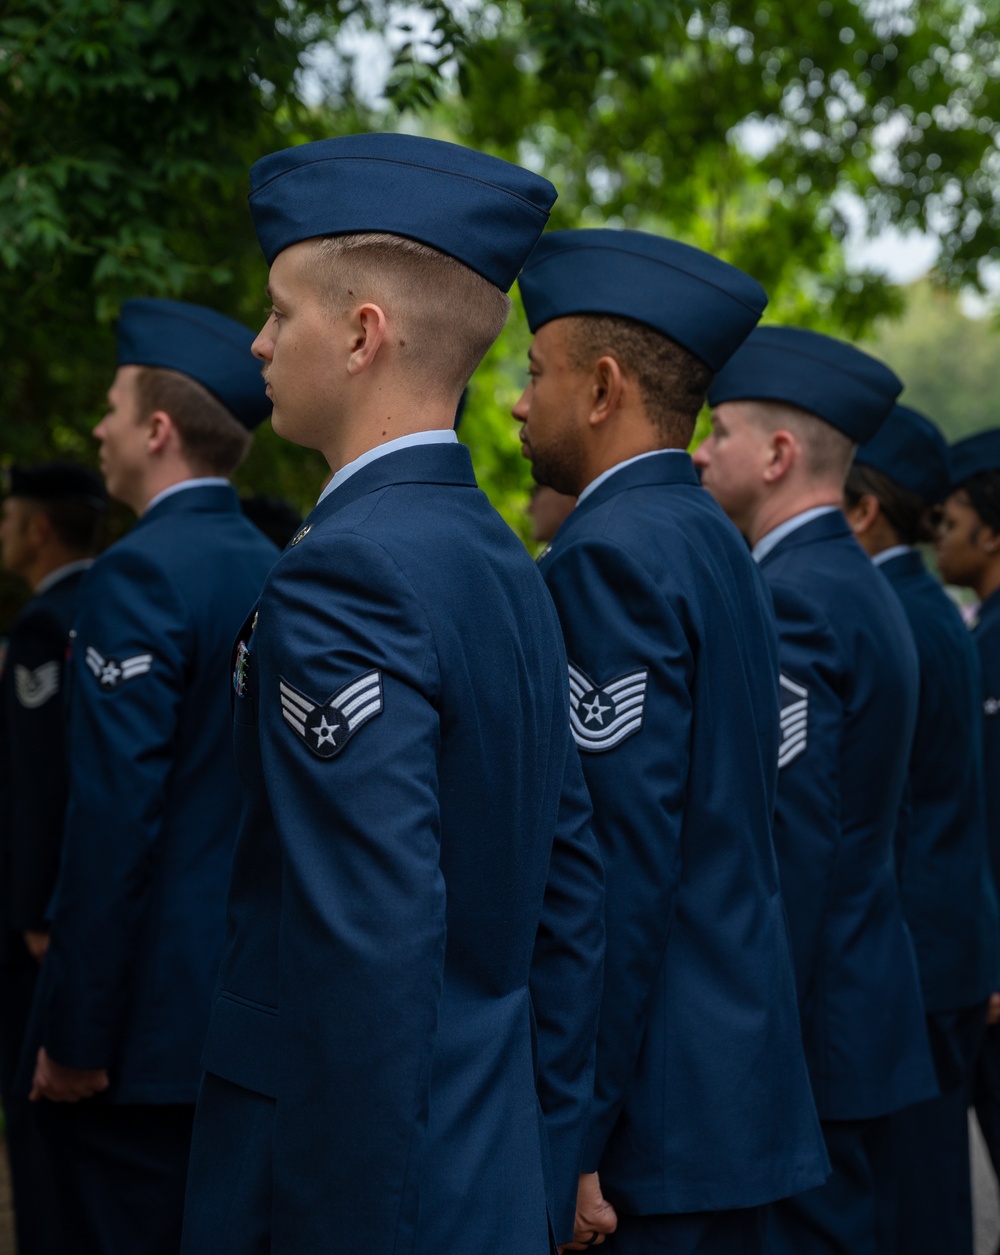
point(363, 927)
point(566, 982)
point(617, 624)
point(808, 805)
point(126, 675)
point(36, 784)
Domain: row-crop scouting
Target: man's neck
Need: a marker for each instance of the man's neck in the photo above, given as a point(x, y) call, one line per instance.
point(159, 482)
point(775, 511)
point(359, 433)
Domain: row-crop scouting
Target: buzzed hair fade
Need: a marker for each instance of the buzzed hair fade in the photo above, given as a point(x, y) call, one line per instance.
point(447, 314)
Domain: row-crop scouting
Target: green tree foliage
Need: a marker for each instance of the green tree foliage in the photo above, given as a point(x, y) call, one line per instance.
point(126, 131)
point(947, 360)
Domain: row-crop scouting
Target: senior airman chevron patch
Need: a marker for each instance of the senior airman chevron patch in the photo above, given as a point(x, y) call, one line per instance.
point(326, 727)
point(794, 720)
point(110, 672)
point(601, 716)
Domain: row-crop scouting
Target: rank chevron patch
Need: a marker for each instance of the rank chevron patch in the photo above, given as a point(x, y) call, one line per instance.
point(794, 720)
point(326, 727)
point(34, 688)
point(601, 716)
point(110, 672)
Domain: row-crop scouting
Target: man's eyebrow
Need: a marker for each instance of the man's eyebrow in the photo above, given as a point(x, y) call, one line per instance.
point(531, 355)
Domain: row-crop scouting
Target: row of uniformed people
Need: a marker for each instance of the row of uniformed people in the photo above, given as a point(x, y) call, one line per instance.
point(400, 1052)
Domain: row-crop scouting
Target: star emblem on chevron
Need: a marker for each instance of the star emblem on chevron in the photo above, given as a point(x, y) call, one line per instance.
point(110, 672)
point(601, 716)
point(326, 727)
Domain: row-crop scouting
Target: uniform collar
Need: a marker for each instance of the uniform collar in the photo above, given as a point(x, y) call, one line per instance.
point(821, 523)
point(777, 534)
point(412, 441)
point(198, 495)
point(615, 470)
point(438, 463)
point(900, 561)
point(63, 573)
point(890, 554)
point(202, 481)
point(989, 610)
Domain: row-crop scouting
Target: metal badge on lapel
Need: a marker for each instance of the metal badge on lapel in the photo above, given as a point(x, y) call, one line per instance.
point(326, 727)
point(601, 716)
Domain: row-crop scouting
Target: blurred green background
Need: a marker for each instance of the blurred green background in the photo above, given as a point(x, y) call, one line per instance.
point(843, 153)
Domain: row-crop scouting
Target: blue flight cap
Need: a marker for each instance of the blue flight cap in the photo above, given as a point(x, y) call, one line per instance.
point(826, 377)
point(57, 481)
point(909, 450)
point(704, 304)
point(478, 209)
point(211, 348)
point(974, 455)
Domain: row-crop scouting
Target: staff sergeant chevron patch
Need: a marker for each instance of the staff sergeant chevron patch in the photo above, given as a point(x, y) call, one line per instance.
point(326, 727)
point(794, 720)
point(34, 688)
point(110, 672)
point(602, 716)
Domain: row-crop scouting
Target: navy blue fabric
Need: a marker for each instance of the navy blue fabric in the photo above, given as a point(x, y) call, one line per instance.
point(416, 919)
point(697, 1233)
point(847, 653)
point(33, 790)
point(942, 850)
point(704, 304)
point(912, 452)
point(931, 1144)
point(986, 635)
point(200, 342)
point(483, 211)
point(975, 454)
point(855, 1212)
point(826, 377)
point(119, 1175)
point(138, 914)
point(702, 1098)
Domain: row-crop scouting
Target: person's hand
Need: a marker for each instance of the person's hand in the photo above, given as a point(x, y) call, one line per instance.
point(37, 944)
point(595, 1217)
point(60, 1084)
point(993, 1009)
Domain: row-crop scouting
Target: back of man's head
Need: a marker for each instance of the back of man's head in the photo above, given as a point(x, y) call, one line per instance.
point(443, 315)
point(671, 381)
point(212, 441)
point(825, 454)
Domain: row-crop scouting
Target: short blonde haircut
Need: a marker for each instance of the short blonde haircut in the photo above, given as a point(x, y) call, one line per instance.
point(446, 315)
point(828, 452)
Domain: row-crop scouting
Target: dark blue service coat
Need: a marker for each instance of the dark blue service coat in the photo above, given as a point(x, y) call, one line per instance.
point(850, 682)
point(702, 1099)
point(33, 766)
point(138, 915)
point(942, 854)
point(416, 912)
point(986, 634)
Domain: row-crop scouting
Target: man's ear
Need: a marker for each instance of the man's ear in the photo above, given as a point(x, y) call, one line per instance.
point(160, 430)
point(368, 332)
point(783, 453)
point(607, 386)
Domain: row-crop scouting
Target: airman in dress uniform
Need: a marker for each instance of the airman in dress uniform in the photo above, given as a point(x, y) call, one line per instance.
point(787, 411)
point(968, 553)
point(138, 913)
point(402, 1039)
point(942, 855)
point(50, 532)
point(702, 1113)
